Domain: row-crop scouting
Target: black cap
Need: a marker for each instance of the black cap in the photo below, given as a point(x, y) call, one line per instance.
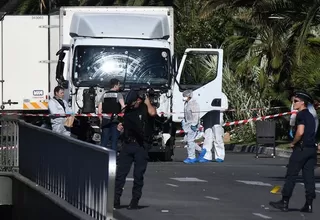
point(304, 96)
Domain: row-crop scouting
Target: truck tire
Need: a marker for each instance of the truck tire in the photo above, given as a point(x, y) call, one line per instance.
point(169, 151)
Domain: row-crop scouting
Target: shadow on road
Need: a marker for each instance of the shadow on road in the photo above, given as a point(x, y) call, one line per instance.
point(118, 216)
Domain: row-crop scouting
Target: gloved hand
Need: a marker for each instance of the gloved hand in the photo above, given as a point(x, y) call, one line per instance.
point(194, 128)
point(291, 133)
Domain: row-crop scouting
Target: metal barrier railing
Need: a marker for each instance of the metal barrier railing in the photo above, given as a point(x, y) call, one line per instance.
point(9, 141)
point(83, 174)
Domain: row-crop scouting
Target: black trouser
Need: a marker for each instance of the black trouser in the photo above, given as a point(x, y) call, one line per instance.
point(304, 159)
point(130, 153)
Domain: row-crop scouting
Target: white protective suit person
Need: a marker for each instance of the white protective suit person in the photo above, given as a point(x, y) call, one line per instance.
point(59, 106)
point(190, 125)
point(214, 136)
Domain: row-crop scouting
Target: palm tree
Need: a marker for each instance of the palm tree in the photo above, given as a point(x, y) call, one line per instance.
point(278, 48)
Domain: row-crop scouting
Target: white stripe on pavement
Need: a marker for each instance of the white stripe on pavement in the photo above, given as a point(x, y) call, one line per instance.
point(169, 184)
point(188, 179)
point(257, 183)
point(213, 198)
point(262, 216)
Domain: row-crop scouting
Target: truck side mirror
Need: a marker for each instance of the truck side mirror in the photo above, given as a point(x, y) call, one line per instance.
point(59, 70)
point(175, 65)
point(60, 67)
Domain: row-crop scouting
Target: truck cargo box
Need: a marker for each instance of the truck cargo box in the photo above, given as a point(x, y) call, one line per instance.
point(24, 62)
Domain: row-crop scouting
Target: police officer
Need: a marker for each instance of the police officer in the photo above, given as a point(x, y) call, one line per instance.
point(111, 102)
point(136, 128)
point(303, 157)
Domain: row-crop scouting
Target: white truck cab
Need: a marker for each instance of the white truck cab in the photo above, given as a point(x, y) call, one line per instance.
point(82, 48)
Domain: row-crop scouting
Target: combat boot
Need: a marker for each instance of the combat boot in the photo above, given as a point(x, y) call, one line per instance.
point(116, 203)
point(133, 204)
point(307, 207)
point(282, 204)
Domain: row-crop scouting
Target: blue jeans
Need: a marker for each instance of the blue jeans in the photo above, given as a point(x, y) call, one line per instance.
point(112, 132)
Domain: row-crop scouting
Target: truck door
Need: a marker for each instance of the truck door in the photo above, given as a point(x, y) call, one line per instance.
point(24, 51)
point(201, 71)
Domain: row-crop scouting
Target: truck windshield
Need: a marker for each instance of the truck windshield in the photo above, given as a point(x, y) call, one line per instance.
point(96, 65)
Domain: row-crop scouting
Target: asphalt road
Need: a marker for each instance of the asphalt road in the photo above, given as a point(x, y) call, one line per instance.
point(237, 189)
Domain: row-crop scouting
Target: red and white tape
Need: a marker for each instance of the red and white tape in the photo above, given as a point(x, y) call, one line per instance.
point(239, 122)
point(57, 115)
point(121, 114)
point(258, 118)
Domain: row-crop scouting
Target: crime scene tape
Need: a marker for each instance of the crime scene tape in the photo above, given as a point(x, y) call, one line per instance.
point(109, 115)
point(58, 115)
point(247, 120)
point(258, 118)
point(255, 109)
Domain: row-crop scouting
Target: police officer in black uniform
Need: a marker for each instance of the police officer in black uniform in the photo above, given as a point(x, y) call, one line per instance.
point(111, 103)
point(303, 157)
point(137, 131)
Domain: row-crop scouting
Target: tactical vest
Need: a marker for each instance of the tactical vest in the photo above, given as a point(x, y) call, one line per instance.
point(110, 103)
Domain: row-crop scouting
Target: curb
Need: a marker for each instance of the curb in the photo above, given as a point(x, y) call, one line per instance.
point(261, 150)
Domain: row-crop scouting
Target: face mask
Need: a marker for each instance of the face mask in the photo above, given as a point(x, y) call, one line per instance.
point(185, 99)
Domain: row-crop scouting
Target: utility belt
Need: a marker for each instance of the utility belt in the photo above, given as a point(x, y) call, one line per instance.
point(142, 143)
point(108, 121)
point(302, 146)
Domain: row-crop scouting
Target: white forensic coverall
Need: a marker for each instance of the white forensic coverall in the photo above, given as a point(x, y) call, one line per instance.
point(58, 123)
point(215, 136)
point(192, 118)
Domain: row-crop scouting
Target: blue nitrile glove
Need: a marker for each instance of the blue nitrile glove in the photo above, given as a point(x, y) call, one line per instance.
point(70, 113)
point(291, 133)
point(194, 128)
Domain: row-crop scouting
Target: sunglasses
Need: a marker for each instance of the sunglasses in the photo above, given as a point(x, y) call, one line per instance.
point(295, 100)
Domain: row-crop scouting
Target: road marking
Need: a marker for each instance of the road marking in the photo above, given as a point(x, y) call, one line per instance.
point(317, 185)
point(262, 216)
point(169, 184)
point(129, 179)
point(257, 183)
point(213, 198)
point(188, 179)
